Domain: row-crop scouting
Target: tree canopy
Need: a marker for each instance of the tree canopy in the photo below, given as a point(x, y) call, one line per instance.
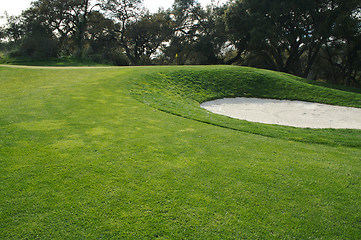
point(314, 39)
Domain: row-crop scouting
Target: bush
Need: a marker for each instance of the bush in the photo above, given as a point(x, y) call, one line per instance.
point(118, 58)
point(33, 47)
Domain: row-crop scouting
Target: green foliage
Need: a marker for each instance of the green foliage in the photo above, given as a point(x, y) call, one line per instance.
point(37, 43)
point(80, 158)
point(288, 36)
point(198, 34)
point(147, 35)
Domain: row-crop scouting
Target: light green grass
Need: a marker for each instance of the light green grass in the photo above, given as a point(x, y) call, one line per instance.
point(82, 157)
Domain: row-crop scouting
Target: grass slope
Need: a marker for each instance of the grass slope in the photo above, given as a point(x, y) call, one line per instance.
point(181, 90)
point(80, 158)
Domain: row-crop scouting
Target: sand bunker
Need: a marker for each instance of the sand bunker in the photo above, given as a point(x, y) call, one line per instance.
point(288, 113)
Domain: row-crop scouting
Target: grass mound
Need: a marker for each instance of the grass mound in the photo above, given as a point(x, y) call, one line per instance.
point(180, 91)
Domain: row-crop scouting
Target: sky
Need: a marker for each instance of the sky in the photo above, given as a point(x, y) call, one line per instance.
point(15, 7)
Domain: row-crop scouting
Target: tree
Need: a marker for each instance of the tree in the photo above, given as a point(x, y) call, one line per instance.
point(341, 55)
point(32, 38)
point(102, 44)
point(147, 35)
point(67, 19)
point(287, 34)
point(15, 28)
point(198, 33)
point(123, 13)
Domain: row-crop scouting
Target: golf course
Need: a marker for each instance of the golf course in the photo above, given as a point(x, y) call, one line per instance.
point(128, 153)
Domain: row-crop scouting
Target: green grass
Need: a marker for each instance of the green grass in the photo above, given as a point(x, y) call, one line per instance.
point(181, 90)
point(51, 62)
point(82, 157)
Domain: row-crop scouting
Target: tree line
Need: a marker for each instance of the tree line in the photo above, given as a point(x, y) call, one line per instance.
point(315, 39)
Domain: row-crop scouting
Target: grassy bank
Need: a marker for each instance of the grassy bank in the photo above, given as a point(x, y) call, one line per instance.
point(87, 154)
point(180, 91)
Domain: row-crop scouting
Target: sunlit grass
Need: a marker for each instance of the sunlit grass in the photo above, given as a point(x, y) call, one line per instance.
point(81, 158)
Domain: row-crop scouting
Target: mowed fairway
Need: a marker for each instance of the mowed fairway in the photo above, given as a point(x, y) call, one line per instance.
point(84, 156)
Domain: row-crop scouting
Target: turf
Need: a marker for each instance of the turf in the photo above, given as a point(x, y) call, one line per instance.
point(180, 91)
point(92, 154)
point(56, 62)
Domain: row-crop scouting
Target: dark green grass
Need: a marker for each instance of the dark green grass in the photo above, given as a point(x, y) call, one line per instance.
point(181, 90)
point(80, 158)
point(54, 62)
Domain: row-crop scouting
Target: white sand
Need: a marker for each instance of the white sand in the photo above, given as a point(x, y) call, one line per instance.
point(285, 112)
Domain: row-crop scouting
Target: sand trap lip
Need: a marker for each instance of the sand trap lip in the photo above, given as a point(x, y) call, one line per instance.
point(287, 113)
